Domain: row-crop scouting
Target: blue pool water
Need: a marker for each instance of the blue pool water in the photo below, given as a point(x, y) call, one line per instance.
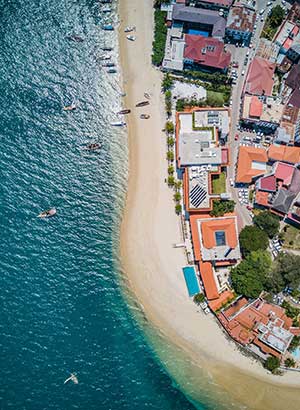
point(296, 353)
point(198, 32)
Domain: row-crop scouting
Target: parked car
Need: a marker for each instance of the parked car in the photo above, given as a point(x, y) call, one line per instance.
point(231, 182)
point(243, 72)
point(261, 12)
point(236, 137)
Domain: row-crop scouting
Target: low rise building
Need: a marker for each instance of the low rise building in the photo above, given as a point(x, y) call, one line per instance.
point(260, 77)
point(220, 5)
point(240, 24)
point(261, 112)
point(252, 163)
point(258, 324)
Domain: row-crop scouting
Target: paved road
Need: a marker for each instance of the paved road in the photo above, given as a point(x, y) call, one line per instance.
point(239, 55)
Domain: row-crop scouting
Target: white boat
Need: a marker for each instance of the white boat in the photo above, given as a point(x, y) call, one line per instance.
point(128, 29)
point(48, 213)
point(131, 38)
point(104, 57)
point(107, 10)
point(72, 378)
point(118, 123)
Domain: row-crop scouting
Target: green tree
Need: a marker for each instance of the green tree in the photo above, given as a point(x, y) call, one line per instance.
point(272, 363)
point(177, 196)
point(160, 35)
point(170, 156)
point(170, 170)
point(178, 185)
point(170, 141)
point(290, 310)
point(249, 277)
point(252, 239)
point(222, 207)
point(199, 298)
point(167, 82)
point(178, 208)
point(180, 104)
point(169, 127)
point(171, 180)
point(289, 362)
point(268, 222)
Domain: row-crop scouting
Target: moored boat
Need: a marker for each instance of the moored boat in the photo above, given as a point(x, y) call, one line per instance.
point(111, 70)
point(118, 123)
point(108, 27)
point(71, 107)
point(104, 57)
point(131, 38)
point(106, 48)
point(142, 104)
point(146, 95)
point(144, 116)
point(123, 112)
point(107, 9)
point(48, 213)
point(94, 146)
point(128, 29)
point(75, 38)
point(108, 65)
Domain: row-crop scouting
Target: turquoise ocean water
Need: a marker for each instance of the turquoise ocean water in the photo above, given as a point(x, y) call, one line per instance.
point(62, 308)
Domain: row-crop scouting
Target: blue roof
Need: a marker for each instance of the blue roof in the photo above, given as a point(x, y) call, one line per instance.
point(191, 280)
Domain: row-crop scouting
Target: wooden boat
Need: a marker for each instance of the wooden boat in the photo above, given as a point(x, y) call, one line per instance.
point(71, 107)
point(118, 123)
point(94, 146)
point(111, 70)
point(123, 112)
point(108, 27)
point(131, 38)
point(104, 57)
point(142, 104)
point(108, 65)
point(105, 1)
point(146, 95)
point(48, 213)
point(75, 38)
point(129, 29)
point(144, 116)
point(106, 48)
point(72, 378)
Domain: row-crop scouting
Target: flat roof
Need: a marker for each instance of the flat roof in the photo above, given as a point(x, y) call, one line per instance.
point(213, 117)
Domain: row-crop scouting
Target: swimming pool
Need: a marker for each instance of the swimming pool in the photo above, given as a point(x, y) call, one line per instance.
point(296, 353)
point(198, 32)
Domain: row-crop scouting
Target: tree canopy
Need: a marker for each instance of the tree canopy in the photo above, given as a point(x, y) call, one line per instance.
point(268, 222)
point(250, 276)
point(222, 207)
point(272, 363)
point(252, 238)
point(286, 271)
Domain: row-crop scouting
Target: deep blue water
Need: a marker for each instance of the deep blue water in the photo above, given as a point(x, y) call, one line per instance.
point(62, 308)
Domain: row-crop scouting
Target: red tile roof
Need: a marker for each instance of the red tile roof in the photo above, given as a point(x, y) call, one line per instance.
point(245, 171)
point(284, 172)
point(259, 79)
point(216, 304)
point(208, 279)
point(256, 107)
point(207, 51)
point(267, 183)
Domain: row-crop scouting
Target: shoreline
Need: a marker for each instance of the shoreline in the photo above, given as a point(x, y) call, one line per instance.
point(150, 226)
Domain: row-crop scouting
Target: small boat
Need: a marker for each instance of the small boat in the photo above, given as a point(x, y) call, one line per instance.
point(104, 57)
point(107, 10)
point(75, 38)
point(146, 95)
point(111, 71)
point(128, 29)
point(71, 107)
point(106, 48)
point(105, 1)
point(142, 104)
point(48, 213)
point(123, 112)
point(94, 146)
point(118, 123)
point(144, 116)
point(108, 65)
point(131, 38)
point(108, 27)
point(72, 378)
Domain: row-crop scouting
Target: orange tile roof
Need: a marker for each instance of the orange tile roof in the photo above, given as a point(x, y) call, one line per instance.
point(245, 172)
point(256, 107)
point(207, 276)
point(266, 349)
point(209, 228)
point(284, 153)
point(261, 198)
point(222, 299)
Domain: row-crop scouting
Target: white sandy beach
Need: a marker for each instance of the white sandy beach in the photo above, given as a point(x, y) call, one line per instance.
point(150, 227)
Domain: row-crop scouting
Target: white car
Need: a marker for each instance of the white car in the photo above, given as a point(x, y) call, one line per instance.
point(231, 182)
point(243, 72)
point(261, 12)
